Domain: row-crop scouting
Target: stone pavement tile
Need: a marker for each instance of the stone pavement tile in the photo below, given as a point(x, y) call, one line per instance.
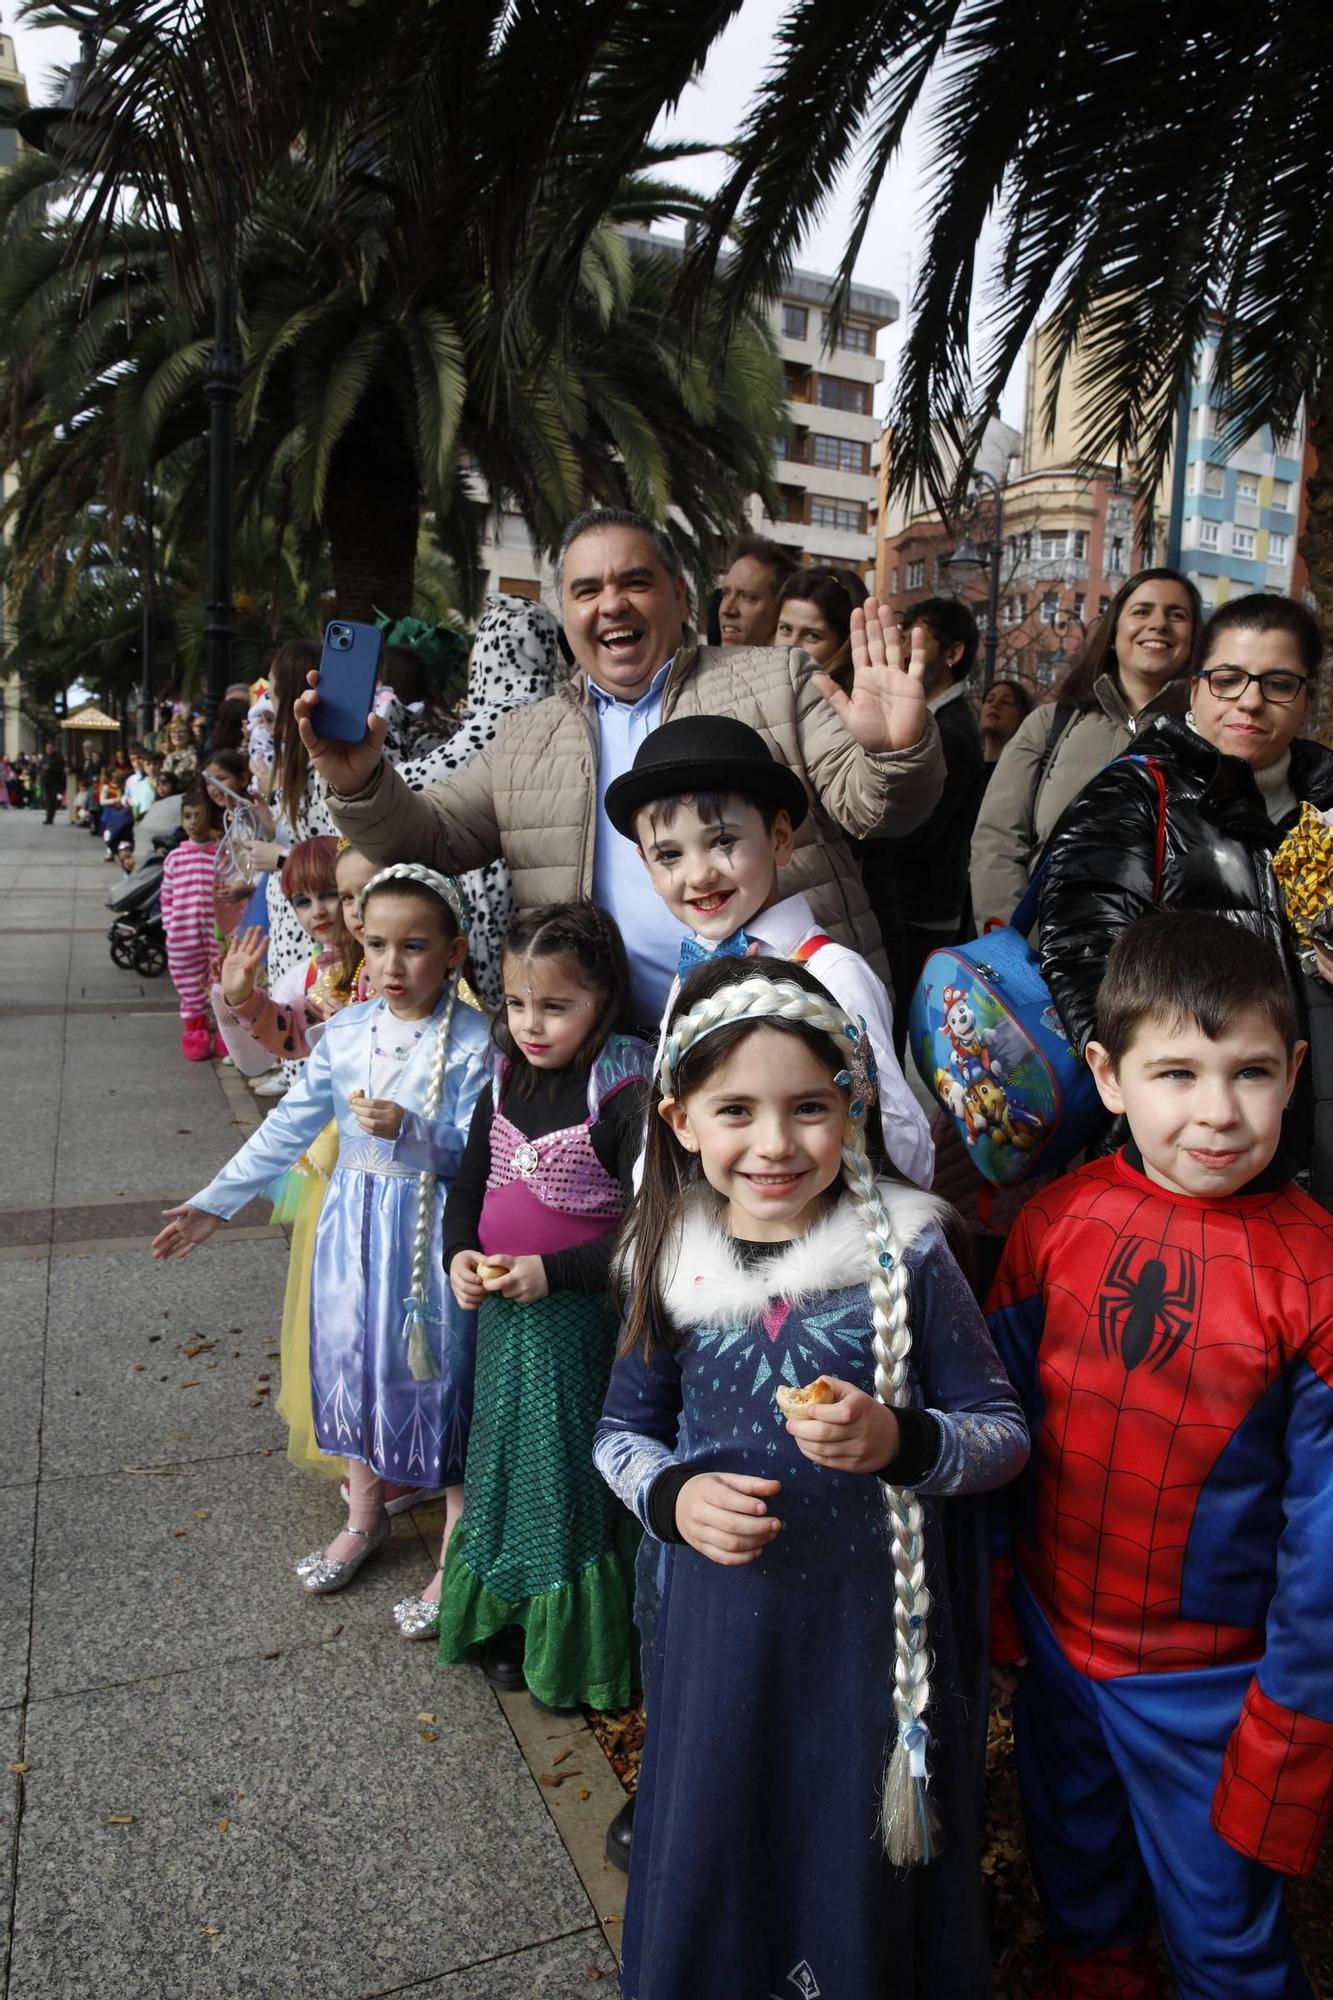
point(172, 1125)
point(11, 1739)
point(22, 1333)
point(119, 1594)
point(115, 1368)
point(18, 1506)
point(558, 1971)
point(356, 1857)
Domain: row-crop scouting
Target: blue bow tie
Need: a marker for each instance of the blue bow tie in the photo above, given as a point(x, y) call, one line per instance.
point(692, 953)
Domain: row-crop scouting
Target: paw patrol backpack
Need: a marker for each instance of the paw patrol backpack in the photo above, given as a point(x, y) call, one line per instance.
point(988, 1041)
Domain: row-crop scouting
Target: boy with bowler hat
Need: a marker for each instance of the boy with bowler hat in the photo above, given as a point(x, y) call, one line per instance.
point(713, 814)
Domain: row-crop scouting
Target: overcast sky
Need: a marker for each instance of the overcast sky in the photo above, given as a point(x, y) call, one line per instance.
point(711, 108)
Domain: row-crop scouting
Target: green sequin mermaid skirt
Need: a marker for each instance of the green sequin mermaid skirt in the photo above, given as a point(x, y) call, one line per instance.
point(543, 1542)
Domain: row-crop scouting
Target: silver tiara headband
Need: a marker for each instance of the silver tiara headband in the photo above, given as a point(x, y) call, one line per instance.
point(443, 886)
point(763, 999)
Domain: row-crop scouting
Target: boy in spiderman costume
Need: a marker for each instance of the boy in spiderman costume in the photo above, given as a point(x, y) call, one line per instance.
point(1166, 1314)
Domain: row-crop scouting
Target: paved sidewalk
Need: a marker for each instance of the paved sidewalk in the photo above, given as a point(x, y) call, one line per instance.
point(209, 1784)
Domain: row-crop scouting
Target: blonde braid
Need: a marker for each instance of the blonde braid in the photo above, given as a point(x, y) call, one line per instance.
point(906, 1819)
point(419, 1358)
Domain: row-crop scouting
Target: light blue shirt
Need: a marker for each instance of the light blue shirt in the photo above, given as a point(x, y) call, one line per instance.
point(620, 882)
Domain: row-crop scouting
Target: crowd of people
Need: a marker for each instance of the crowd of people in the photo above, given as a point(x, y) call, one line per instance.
point(619, 1225)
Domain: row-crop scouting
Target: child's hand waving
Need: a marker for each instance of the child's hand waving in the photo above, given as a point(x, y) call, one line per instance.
point(723, 1516)
point(185, 1231)
point(244, 957)
point(379, 1116)
point(853, 1433)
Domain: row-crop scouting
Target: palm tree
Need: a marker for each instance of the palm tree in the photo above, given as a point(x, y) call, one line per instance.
point(1155, 171)
point(364, 401)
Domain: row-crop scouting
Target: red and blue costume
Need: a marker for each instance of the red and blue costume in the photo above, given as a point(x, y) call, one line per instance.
point(1172, 1571)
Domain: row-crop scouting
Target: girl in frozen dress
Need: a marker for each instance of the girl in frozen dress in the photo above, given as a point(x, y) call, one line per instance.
point(390, 1352)
point(809, 1737)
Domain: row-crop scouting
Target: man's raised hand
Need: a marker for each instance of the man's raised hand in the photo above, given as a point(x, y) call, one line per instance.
point(886, 709)
point(344, 767)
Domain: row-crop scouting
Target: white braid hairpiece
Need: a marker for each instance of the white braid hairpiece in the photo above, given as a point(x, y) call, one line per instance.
point(420, 1361)
point(443, 886)
point(907, 1823)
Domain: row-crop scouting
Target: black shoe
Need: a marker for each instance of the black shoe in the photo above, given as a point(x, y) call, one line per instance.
point(502, 1660)
point(620, 1837)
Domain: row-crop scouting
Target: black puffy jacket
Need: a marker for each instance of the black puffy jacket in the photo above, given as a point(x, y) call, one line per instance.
point(1099, 876)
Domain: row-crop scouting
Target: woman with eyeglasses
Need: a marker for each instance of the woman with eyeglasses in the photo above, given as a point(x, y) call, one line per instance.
point(1235, 771)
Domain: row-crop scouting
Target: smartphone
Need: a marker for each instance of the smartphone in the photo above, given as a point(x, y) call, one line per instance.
point(349, 667)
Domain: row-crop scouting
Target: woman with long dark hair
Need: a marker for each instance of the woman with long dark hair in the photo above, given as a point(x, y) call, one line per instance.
point(1133, 668)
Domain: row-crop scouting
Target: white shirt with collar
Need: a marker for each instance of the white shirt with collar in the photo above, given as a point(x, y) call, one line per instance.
point(779, 932)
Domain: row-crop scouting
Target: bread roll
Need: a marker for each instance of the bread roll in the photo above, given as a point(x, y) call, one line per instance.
point(798, 1402)
point(491, 1268)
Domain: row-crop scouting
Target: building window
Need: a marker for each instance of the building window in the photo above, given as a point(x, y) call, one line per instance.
point(795, 322)
point(1279, 548)
point(840, 514)
point(835, 392)
point(1010, 614)
point(796, 383)
point(782, 447)
point(1247, 489)
point(1207, 534)
point(916, 576)
point(839, 454)
point(1242, 541)
point(1115, 562)
point(1050, 607)
point(1103, 606)
point(1078, 607)
point(855, 336)
point(1282, 495)
point(1201, 422)
point(1051, 545)
point(893, 579)
point(1213, 481)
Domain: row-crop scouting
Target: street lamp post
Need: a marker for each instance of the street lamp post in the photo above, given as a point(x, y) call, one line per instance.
point(53, 129)
point(968, 562)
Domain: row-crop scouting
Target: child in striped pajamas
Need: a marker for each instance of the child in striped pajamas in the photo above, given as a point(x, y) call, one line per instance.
point(188, 918)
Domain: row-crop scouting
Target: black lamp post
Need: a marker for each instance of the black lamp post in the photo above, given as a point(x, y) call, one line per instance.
point(968, 562)
point(53, 129)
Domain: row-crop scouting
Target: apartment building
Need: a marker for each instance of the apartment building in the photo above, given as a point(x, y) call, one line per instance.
point(827, 460)
point(1235, 515)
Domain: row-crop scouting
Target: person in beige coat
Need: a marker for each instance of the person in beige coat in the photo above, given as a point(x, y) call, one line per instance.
point(870, 758)
point(1134, 667)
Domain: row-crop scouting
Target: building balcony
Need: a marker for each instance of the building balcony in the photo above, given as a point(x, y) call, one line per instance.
point(1046, 569)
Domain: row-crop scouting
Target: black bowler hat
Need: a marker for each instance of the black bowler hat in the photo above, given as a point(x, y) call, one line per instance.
point(703, 753)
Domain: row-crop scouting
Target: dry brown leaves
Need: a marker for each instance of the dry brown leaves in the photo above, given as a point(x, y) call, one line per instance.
point(620, 1733)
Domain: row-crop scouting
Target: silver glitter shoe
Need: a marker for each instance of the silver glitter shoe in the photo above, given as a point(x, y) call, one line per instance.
point(417, 1617)
point(324, 1575)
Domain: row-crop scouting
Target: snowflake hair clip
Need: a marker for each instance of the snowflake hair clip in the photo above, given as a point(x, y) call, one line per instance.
point(861, 1075)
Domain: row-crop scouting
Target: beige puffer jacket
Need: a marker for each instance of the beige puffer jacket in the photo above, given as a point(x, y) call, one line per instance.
point(530, 794)
point(1020, 809)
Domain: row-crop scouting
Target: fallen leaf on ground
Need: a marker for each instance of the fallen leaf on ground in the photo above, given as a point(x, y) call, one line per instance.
point(210, 1930)
point(425, 1715)
point(201, 1513)
point(223, 1824)
point(20, 1770)
point(584, 1795)
point(263, 1377)
point(177, 1533)
point(139, 1367)
point(430, 1735)
point(560, 1757)
point(198, 1347)
point(182, 1437)
point(120, 1819)
point(556, 1778)
point(187, 1385)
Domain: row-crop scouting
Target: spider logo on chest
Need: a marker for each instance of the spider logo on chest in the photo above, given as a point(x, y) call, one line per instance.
point(1146, 1305)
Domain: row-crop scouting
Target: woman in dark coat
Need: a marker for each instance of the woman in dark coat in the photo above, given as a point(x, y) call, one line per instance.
point(1235, 772)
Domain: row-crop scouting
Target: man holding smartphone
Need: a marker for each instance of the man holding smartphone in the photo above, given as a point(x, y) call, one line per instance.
point(870, 757)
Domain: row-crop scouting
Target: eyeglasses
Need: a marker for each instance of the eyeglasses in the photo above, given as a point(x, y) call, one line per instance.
point(1230, 683)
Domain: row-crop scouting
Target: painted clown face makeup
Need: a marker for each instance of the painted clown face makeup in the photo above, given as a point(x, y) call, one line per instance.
point(714, 875)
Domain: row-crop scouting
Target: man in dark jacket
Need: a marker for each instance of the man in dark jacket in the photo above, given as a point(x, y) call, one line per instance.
point(53, 778)
point(918, 885)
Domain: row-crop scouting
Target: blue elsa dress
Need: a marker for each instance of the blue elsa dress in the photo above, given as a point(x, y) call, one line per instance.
point(366, 1404)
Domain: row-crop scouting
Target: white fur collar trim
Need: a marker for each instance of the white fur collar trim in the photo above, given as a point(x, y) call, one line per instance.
point(708, 1281)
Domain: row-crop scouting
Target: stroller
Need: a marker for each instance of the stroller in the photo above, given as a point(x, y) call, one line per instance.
point(137, 939)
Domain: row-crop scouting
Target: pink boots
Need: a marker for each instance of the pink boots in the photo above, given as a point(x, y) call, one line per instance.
point(197, 1039)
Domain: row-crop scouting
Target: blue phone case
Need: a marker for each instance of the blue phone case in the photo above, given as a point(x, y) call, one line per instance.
point(349, 667)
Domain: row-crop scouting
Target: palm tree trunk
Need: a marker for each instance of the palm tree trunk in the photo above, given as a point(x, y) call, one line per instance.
point(372, 512)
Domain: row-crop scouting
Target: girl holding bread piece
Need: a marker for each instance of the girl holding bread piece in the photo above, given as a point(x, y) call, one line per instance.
point(540, 1575)
point(809, 1735)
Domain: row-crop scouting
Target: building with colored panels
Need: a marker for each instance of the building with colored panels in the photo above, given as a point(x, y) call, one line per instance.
point(1234, 514)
